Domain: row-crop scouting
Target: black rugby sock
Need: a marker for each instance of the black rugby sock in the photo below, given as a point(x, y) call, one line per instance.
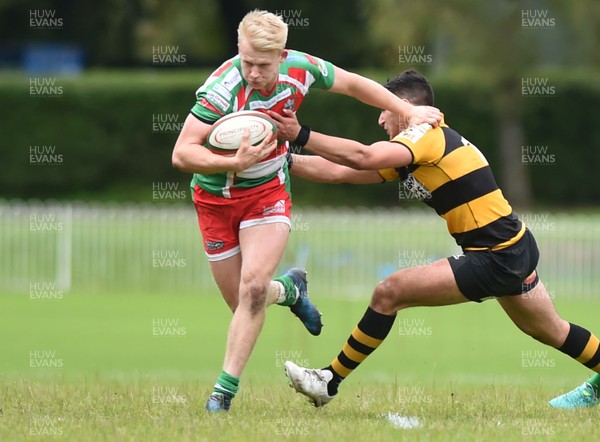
point(365, 338)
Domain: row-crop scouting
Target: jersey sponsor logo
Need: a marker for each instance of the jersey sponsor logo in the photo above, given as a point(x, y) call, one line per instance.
point(278, 207)
point(416, 188)
point(415, 133)
point(214, 245)
point(322, 67)
point(218, 100)
point(231, 79)
point(208, 105)
point(270, 102)
point(319, 63)
point(222, 91)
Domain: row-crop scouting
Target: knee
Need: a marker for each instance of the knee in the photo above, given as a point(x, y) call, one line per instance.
point(254, 295)
point(387, 297)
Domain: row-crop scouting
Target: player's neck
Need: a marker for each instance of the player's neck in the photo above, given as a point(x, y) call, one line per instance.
point(268, 90)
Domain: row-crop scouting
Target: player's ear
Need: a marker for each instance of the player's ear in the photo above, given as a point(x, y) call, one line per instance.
point(284, 55)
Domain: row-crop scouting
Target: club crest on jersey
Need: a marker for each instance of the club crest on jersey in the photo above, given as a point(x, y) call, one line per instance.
point(290, 104)
point(416, 189)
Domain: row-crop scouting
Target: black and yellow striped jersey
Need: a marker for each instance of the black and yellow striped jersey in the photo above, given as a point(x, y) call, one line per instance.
point(452, 176)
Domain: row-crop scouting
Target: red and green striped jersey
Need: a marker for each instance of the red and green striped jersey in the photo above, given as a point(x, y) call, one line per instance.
point(226, 91)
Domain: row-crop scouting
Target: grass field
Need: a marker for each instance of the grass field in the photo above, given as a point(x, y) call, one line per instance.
point(133, 367)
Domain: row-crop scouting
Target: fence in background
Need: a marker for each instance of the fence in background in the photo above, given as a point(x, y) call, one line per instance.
point(50, 249)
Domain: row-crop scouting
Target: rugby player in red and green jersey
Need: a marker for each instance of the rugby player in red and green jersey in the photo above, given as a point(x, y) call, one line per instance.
point(243, 201)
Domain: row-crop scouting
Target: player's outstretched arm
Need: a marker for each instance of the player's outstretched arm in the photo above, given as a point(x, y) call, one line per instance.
point(190, 155)
point(374, 94)
point(380, 155)
point(318, 169)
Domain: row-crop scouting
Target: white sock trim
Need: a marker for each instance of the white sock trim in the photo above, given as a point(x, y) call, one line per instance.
point(281, 296)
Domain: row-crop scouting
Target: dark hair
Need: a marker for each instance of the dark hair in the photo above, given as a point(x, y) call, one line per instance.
point(412, 86)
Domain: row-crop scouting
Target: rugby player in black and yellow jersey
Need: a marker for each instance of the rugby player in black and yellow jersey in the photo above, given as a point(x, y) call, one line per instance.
point(500, 255)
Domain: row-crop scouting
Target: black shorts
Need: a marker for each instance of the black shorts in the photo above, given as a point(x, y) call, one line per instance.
point(483, 274)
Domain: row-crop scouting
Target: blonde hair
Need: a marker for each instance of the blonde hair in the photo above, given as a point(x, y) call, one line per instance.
point(264, 30)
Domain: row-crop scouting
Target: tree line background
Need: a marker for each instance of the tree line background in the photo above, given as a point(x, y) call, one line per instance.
point(478, 55)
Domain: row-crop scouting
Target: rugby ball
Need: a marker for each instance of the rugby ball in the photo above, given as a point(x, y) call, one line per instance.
point(227, 132)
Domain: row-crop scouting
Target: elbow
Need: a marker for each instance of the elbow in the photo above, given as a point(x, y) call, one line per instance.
point(340, 175)
point(335, 178)
point(177, 161)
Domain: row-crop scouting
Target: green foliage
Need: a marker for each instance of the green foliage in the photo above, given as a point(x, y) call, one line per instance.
point(567, 126)
point(560, 124)
point(102, 126)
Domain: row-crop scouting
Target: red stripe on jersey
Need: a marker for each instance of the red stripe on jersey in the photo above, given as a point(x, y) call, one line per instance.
point(241, 98)
point(268, 188)
point(297, 74)
point(312, 59)
point(222, 68)
point(207, 104)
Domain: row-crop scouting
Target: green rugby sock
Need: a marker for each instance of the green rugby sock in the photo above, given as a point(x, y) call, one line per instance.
point(594, 381)
point(291, 292)
point(227, 384)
